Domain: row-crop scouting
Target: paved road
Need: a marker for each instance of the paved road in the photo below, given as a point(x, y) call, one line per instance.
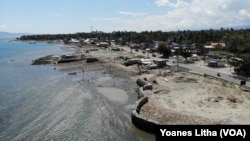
point(198, 69)
point(228, 77)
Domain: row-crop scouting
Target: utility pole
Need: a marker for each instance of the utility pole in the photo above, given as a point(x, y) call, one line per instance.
point(177, 52)
point(203, 51)
point(204, 58)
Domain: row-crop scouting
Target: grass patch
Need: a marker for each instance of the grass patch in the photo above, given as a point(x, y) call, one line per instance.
point(246, 89)
point(139, 56)
point(221, 52)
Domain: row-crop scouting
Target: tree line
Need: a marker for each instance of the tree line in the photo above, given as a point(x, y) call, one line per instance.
point(237, 41)
point(234, 38)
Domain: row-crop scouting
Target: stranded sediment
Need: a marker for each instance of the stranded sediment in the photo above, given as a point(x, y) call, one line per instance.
point(169, 95)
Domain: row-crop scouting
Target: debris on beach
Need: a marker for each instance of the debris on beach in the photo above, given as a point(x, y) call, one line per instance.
point(50, 59)
point(55, 59)
point(92, 60)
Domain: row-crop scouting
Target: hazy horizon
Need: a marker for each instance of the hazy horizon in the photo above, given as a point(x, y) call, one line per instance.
point(64, 17)
point(19, 33)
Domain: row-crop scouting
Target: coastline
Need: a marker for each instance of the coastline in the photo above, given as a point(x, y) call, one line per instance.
point(168, 111)
point(59, 101)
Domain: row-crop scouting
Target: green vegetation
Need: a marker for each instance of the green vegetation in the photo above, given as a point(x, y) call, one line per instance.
point(246, 89)
point(222, 53)
point(233, 38)
point(139, 56)
point(185, 53)
point(237, 41)
point(162, 49)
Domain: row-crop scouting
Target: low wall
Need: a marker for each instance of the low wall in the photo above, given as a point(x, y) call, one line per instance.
point(141, 93)
point(138, 120)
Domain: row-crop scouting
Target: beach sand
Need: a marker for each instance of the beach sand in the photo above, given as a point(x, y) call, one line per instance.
point(183, 98)
point(187, 98)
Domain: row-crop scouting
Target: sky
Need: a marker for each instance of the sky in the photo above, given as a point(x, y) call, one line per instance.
point(71, 16)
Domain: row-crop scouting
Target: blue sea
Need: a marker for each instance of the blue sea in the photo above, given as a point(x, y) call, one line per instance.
point(38, 103)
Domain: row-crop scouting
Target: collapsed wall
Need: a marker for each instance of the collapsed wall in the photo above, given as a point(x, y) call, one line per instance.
point(138, 120)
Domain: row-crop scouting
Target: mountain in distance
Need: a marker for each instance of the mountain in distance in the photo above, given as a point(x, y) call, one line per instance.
point(8, 34)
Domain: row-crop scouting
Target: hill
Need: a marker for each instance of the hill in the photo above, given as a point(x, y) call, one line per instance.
point(8, 34)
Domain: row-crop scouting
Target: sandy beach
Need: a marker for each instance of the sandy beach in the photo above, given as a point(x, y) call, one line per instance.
point(182, 98)
point(187, 98)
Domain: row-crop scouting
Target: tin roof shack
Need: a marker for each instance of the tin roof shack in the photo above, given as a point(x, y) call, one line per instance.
point(147, 62)
point(102, 44)
point(216, 63)
point(218, 45)
point(160, 62)
point(207, 48)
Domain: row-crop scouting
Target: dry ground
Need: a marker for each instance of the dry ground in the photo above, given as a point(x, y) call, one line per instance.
point(183, 98)
point(186, 98)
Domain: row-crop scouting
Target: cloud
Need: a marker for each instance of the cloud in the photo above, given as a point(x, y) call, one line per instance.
point(55, 14)
point(3, 26)
point(163, 2)
point(244, 13)
point(131, 13)
point(194, 14)
point(178, 4)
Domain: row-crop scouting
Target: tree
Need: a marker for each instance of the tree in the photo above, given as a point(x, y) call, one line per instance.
point(185, 53)
point(233, 41)
point(246, 47)
point(164, 50)
point(161, 47)
point(245, 65)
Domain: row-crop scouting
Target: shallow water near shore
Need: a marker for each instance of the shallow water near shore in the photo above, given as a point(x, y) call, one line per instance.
point(114, 94)
point(40, 103)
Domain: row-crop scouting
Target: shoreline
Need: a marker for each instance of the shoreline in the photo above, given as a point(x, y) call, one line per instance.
point(162, 112)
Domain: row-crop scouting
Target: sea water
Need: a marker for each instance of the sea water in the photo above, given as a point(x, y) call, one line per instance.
point(39, 103)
